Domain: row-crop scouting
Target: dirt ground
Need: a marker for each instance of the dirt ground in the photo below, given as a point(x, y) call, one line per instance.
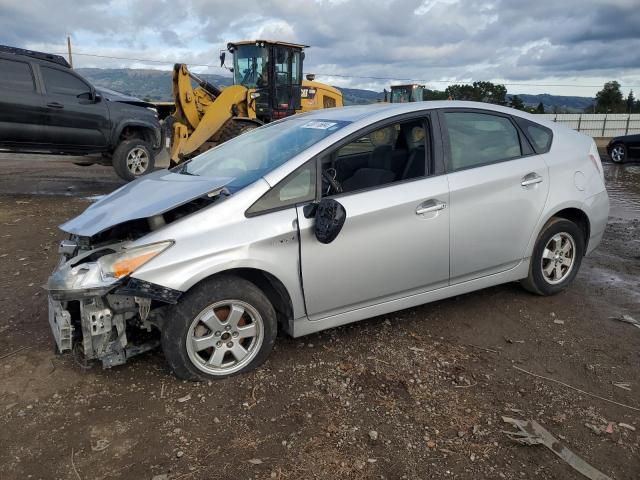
point(415, 394)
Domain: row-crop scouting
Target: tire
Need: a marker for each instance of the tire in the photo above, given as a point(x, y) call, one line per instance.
point(233, 128)
point(133, 158)
point(218, 311)
point(549, 272)
point(618, 153)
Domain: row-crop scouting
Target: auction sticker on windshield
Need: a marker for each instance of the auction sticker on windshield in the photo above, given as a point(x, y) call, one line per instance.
point(319, 125)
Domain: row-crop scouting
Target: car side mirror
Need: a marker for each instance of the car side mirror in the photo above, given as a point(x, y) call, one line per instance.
point(330, 217)
point(97, 98)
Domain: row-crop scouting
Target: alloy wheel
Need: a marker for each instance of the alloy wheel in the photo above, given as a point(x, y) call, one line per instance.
point(225, 337)
point(558, 258)
point(617, 153)
point(138, 161)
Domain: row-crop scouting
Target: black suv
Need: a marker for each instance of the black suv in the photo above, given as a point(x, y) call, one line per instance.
point(47, 107)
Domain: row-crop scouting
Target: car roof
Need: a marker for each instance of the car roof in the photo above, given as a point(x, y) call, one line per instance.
point(358, 112)
point(35, 55)
point(382, 110)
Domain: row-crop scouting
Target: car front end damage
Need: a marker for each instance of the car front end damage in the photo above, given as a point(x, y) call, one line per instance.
point(97, 310)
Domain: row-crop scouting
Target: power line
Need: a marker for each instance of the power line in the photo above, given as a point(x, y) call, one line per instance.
point(145, 60)
point(363, 77)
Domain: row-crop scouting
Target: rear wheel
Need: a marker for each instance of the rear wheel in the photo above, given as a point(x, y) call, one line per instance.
point(556, 257)
point(222, 327)
point(133, 158)
point(618, 153)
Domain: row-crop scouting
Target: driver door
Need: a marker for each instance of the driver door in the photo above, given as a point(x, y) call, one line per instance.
point(72, 118)
point(393, 243)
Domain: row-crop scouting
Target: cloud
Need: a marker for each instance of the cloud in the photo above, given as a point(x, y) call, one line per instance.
point(546, 41)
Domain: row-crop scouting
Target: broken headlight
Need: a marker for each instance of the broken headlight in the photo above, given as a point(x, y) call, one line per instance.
point(99, 276)
point(120, 264)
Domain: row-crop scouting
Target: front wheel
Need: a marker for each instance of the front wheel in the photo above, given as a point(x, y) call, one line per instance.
point(133, 158)
point(221, 327)
point(618, 153)
point(556, 257)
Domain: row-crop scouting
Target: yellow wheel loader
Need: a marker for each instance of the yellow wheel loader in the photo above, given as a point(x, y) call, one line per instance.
point(268, 85)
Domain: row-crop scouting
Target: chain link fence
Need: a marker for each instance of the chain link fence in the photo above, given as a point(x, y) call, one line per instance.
point(599, 124)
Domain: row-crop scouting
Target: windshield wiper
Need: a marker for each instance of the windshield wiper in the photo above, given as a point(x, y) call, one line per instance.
point(182, 170)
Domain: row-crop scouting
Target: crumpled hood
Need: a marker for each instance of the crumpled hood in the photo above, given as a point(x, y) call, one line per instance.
point(145, 197)
point(113, 96)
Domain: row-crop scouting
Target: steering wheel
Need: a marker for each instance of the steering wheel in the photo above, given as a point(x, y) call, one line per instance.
point(329, 176)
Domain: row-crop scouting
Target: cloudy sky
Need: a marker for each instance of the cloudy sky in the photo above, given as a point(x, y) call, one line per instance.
point(567, 47)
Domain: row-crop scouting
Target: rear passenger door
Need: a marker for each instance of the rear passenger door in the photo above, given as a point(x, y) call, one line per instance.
point(498, 189)
point(73, 119)
point(21, 106)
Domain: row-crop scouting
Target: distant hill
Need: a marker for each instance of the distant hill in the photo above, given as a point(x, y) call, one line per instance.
point(155, 85)
point(562, 103)
point(143, 83)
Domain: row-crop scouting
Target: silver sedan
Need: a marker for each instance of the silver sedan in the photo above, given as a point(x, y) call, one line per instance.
point(320, 220)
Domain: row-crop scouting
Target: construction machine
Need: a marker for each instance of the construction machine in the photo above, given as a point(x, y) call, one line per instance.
point(267, 85)
point(406, 93)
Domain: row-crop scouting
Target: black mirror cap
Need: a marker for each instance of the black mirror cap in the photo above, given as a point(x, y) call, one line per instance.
point(330, 217)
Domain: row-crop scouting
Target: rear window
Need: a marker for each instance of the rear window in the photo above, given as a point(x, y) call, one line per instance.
point(16, 76)
point(477, 139)
point(539, 136)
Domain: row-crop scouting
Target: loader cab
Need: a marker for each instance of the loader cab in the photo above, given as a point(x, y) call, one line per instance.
point(272, 71)
point(407, 93)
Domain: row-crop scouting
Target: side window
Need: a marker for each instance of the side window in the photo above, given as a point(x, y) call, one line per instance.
point(540, 137)
point(477, 139)
point(399, 151)
point(297, 187)
point(63, 83)
point(16, 76)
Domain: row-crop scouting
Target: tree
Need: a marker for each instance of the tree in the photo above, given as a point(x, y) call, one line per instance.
point(610, 99)
point(631, 102)
point(434, 95)
point(540, 108)
point(478, 92)
point(517, 103)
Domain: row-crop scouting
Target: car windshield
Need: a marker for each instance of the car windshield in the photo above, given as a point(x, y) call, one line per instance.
point(255, 153)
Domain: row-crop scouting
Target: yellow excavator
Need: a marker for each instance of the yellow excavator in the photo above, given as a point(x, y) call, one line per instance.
point(267, 86)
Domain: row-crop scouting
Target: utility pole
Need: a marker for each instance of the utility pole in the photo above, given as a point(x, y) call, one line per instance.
point(69, 49)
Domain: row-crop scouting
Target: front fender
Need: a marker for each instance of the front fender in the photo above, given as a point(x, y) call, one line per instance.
point(153, 127)
point(221, 238)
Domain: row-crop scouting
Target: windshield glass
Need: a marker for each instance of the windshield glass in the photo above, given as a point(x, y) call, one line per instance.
point(257, 152)
point(250, 65)
point(400, 94)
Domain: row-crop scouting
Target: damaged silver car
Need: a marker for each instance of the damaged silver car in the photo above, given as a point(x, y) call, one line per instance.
point(320, 220)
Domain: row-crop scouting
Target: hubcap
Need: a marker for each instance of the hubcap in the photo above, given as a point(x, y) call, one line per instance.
point(558, 258)
point(224, 337)
point(138, 161)
point(617, 153)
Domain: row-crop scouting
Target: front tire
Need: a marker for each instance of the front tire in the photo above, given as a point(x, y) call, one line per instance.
point(133, 158)
point(556, 257)
point(618, 153)
point(222, 327)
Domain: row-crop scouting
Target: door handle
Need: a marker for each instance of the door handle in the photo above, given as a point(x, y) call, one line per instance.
point(55, 105)
point(530, 179)
point(430, 206)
